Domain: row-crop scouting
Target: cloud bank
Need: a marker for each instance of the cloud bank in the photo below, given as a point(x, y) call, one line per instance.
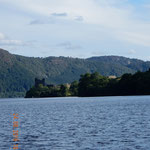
point(94, 23)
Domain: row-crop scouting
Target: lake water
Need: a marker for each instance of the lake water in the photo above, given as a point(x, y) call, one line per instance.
point(102, 123)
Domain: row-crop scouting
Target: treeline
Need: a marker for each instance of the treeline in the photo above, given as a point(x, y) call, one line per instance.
point(62, 90)
point(17, 73)
point(97, 85)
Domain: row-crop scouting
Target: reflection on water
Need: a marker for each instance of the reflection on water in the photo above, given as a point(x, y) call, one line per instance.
point(106, 123)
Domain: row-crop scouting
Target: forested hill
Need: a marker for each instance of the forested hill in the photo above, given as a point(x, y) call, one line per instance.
point(17, 73)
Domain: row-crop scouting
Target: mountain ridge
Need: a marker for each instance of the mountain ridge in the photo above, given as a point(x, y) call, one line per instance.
point(17, 73)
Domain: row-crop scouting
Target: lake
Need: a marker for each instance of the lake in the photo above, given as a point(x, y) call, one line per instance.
point(101, 123)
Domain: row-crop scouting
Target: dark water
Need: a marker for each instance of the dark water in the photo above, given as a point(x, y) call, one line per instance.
point(110, 123)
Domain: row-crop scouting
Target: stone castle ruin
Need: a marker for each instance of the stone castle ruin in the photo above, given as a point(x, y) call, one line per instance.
point(38, 82)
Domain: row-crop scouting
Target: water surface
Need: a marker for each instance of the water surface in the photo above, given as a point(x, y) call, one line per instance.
point(102, 123)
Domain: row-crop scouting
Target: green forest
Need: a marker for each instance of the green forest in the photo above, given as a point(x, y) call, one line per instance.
point(94, 84)
point(17, 73)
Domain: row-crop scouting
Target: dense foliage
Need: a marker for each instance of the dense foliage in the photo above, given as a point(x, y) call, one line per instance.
point(127, 84)
point(17, 73)
point(97, 85)
point(44, 91)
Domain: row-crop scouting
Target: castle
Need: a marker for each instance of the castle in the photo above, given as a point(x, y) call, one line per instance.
point(38, 81)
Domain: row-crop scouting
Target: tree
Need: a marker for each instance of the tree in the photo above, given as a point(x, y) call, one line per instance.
point(74, 88)
point(63, 90)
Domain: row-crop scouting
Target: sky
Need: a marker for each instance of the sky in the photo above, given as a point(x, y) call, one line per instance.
point(76, 28)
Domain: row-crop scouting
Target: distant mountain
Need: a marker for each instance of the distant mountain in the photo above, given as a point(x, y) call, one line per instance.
point(17, 73)
point(134, 64)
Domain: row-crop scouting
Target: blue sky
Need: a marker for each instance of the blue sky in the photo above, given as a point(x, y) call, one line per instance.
point(76, 28)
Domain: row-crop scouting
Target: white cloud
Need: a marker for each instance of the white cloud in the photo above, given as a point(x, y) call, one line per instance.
point(137, 38)
point(43, 21)
point(11, 42)
point(6, 41)
point(132, 51)
point(68, 45)
point(114, 20)
point(79, 18)
point(2, 36)
point(111, 15)
point(59, 14)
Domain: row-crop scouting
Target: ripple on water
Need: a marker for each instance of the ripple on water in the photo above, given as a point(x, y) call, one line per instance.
point(109, 123)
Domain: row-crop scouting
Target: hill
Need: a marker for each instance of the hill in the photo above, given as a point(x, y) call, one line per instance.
point(17, 73)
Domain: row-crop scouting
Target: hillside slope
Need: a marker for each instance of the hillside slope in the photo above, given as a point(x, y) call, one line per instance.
point(17, 73)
